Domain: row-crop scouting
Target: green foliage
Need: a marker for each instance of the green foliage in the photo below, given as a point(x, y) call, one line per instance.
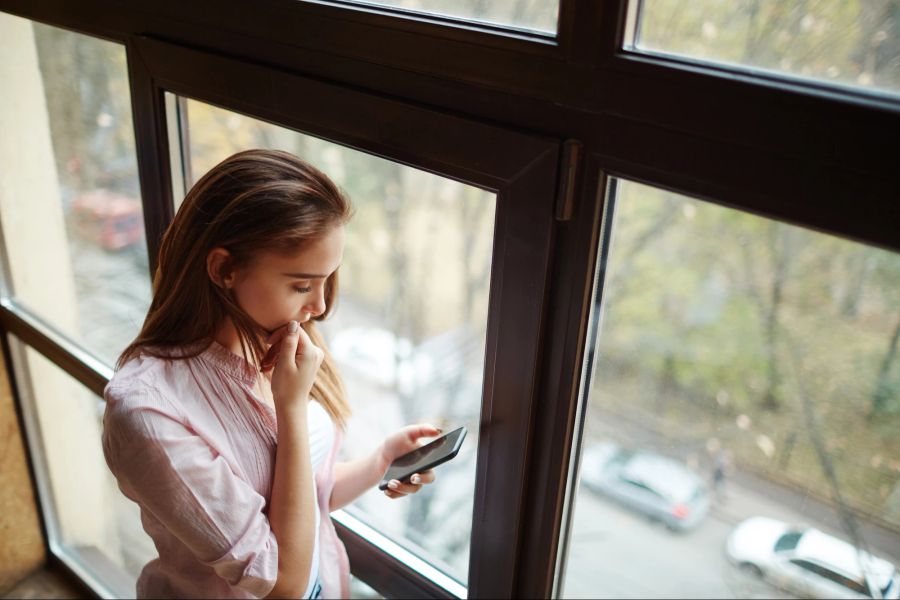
point(686, 337)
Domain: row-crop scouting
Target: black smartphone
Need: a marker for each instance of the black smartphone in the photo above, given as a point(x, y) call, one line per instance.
point(428, 456)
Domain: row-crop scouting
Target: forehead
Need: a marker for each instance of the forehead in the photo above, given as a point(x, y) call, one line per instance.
point(321, 256)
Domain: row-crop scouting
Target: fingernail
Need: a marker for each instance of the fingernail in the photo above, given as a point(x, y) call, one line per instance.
point(293, 326)
point(393, 485)
point(439, 430)
point(416, 479)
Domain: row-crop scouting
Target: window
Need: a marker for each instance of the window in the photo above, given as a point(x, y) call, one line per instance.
point(848, 42)
point(749, 362)
point(71, 208)
point(641, 487)
point(653, 163)
point(90, 520)
point(537, 16)
point(788, 542)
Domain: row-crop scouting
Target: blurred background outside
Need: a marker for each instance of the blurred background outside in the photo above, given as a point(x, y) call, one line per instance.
point(743, 367)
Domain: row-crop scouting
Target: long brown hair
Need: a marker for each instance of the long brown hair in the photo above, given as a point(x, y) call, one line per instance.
point(252, 202)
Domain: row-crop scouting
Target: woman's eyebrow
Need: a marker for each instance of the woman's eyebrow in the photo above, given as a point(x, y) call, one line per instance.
point(308, 275)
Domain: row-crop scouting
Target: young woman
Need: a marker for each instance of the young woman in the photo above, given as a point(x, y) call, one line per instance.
point(225, 414)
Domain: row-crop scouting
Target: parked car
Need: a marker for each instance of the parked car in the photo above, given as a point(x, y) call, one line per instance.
point(809, 562)
point(654, 485)
point(108, 219)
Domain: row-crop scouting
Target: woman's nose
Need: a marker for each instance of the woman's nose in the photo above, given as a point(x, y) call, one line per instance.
point(317, 305)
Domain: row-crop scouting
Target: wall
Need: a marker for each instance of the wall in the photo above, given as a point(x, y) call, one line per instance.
point(22, 548)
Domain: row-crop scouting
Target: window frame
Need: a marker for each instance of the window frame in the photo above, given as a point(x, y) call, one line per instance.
point(618, 103)
point(647, 118)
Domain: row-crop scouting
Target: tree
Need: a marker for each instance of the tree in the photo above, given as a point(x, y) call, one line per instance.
point(88, 104)
point(886, 389)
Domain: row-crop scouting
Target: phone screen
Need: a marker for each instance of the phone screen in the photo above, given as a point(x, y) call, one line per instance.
point(431, 454)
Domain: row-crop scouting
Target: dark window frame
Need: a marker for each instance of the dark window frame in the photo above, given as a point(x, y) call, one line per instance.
point(814, 148)
point(802, 153)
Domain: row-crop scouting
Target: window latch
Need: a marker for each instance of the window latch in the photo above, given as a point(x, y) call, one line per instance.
point(568, 177)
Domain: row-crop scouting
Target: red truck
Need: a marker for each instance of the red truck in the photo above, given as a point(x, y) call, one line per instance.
point(112, 220)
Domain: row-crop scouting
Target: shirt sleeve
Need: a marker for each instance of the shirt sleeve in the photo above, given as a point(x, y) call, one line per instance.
point(172, 472)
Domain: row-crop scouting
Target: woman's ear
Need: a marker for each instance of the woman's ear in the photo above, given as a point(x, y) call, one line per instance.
point(218, 266)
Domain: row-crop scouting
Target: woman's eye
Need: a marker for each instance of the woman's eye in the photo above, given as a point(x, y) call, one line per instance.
point(303, 290)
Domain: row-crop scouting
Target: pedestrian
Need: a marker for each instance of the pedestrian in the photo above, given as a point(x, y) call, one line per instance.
point(721, 466)
point(225, 414)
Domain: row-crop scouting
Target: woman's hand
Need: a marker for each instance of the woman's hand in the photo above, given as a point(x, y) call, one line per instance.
point(398, 444)
point(295, 360)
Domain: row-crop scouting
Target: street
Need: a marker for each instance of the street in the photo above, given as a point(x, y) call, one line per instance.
point(113, 293)
point(615, 553)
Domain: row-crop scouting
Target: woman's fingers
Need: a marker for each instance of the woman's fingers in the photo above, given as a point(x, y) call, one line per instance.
point(276, 335)
point(414, 432)
point(423, 477)
point(270, 358)
point(289, 341)
point(405, 440)
point(274, 339)
point(305, 343)
point(397, 488)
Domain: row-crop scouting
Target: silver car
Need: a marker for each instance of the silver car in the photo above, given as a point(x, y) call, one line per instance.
point(661, 488)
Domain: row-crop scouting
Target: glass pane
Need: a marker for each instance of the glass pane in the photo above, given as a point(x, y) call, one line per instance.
point(536, 15)
point(746, 376)
point(409, 330)
point(69, 195)
point(93, 517)
point(854, 42)
point(360, 591)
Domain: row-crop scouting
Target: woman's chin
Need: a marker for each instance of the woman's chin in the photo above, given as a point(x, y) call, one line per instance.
point(303, 319)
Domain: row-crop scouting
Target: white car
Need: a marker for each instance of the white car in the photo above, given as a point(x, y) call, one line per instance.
point(809, 562)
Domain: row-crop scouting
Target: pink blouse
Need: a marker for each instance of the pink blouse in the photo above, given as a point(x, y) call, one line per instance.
point(194, 445)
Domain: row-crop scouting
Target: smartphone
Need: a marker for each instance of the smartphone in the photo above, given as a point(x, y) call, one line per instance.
point(421, 459)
